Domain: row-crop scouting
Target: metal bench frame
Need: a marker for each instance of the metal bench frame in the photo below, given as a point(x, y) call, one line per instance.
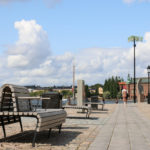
point(88, 109)
point(11, 114)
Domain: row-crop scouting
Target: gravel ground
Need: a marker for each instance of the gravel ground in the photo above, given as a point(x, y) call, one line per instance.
point(77, 132)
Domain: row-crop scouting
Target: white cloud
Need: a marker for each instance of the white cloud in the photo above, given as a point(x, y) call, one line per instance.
point(49, 3)
point(29, 61)
point(11, 1)
point(32, 47)
point(131, 1)
point(52, 3)
point(14, 59)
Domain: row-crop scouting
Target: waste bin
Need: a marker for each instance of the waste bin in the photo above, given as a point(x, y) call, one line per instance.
point(94, 99)
point(55, 100)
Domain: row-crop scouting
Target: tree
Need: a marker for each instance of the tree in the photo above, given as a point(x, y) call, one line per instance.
point(66, 93)
point(38, 93)
point(87, 92)
point(96, 87)
point(106, 95)
point(119, 95)
point(112, 86)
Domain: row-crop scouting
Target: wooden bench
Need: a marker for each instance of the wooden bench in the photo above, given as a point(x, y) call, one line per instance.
point(97, 103)
point(84, 108)
point(15, 103)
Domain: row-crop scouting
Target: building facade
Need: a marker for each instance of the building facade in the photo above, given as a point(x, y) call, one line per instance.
point(141, 87)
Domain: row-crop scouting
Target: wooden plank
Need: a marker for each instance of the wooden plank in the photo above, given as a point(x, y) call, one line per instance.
point(47, 114)
point(11, 113)
point(16, 113)
point(15, 110)
point(33, 98)
point(50, 126)
point(1, 90)
point(20, 113)
point(77, 107)
point(6, 112)
point(98, 103)
point(1, 113)
point(51, 118)
point(51, 121)
point(35, 114)
point(20, 95)
point(15, 88)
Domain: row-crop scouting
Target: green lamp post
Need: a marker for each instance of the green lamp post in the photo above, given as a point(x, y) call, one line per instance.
point(134, 39)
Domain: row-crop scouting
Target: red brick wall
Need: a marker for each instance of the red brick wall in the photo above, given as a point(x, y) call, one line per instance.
point(131, 87)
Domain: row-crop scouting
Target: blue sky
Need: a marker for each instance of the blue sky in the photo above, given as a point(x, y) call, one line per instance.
point(74, 26)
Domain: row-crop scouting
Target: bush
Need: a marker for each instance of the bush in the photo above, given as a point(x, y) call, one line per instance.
point(119, 95)
point(38, 93)
point(106, 95)
point(66, 93)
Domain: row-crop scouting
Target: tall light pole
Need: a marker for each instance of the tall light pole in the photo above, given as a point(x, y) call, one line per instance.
point(134, 39)
point(148, 71)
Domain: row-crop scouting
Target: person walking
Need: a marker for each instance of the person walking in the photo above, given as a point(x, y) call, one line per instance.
point(124, 96)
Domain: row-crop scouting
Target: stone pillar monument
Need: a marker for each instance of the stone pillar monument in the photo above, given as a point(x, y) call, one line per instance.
point(80, 92)
point(140, 92)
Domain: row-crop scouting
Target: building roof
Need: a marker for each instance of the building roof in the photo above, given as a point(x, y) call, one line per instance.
point(143, 80)
point(122, 83)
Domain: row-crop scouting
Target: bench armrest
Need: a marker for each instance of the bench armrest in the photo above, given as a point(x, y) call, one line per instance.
point(32, 98)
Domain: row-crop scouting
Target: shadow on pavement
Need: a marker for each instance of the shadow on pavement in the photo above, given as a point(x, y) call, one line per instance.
point(63, 138)
point(74, 117)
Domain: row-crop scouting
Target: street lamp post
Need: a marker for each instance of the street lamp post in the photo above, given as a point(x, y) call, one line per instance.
point(133, 39)
point(148, 71)
point(134, 45)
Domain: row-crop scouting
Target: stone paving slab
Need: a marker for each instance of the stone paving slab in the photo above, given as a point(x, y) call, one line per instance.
point(126, 129)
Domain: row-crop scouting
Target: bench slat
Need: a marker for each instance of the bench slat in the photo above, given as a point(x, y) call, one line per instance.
point(52, 117)
point(50, 125)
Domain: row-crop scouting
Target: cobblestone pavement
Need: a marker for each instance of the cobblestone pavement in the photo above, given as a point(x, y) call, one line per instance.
point(77, 132)
point(126, 129)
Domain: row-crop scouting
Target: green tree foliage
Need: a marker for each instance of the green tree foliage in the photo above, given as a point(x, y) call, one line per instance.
point(112, 86)
point(38, 93)
point(66, 93)
point(87, 92)
point(96, 87)
point(106, 95)
point(119, 95)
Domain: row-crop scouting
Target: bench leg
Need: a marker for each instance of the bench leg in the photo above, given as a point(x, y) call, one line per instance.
point(60, 128)
point(87, 113)
point(20, 124)
point(3, 126)
point(49, 132)
point(35, 133)
point(102, 107)
point(33, 142)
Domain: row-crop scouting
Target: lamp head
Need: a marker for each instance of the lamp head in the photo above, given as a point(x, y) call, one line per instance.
point(135, 38)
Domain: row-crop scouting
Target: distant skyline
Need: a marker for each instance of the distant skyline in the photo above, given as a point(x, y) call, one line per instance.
point(40, 40)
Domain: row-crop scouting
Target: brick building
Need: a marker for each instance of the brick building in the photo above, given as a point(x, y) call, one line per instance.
point(141, 83)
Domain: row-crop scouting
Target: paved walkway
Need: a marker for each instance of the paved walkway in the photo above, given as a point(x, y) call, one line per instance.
point(126, 129)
